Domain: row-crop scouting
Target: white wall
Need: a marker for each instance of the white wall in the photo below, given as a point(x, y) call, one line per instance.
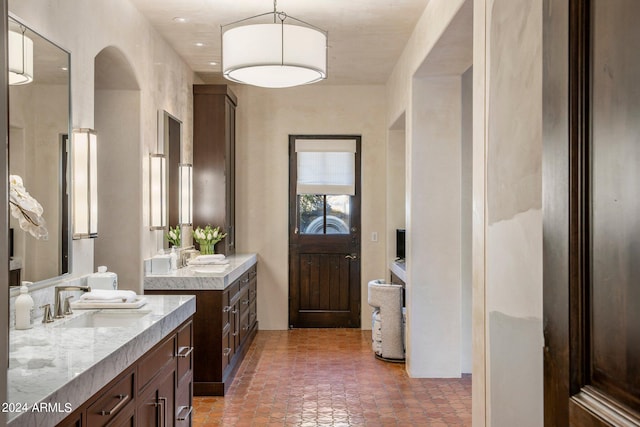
point(265, 119)
point(466, 216)
point(510, 143)
point(85, 28)
point(433, 229)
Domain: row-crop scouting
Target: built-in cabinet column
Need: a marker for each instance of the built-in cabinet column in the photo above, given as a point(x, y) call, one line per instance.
point(214, 133)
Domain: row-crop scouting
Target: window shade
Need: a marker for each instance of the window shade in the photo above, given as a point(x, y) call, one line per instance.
point(326, 166)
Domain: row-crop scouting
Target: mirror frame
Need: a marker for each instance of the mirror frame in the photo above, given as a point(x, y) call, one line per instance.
point(15, 290)
point(172, 178)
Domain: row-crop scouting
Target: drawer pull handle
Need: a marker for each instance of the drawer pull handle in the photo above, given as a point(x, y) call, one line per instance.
point(184, 352)
point(123, 398)
point(226, 351)
point(226, 309)
point(245, 302)
point(235, 334)
point(163, 411)
point(184, 417)
point(245, 328)
point(234, 311)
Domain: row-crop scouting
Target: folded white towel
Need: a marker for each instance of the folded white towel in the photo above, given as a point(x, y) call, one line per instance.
point(103, 301)
point(209, 262)
point(210, 257)
point(105, 295)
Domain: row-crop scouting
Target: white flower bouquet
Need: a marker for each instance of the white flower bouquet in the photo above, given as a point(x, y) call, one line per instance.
point(173, 236)
point(207, 238)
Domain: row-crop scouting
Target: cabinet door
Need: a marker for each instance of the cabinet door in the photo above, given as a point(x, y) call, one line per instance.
point(73, 420)
point(157, 404)
point(185, 351)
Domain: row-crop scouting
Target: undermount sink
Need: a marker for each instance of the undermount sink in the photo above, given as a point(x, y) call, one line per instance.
point(105, 319)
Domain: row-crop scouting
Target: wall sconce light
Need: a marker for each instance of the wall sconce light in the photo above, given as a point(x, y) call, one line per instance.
point(85, 183)
point(20, 58)
point(185, 193)
point(158, 191)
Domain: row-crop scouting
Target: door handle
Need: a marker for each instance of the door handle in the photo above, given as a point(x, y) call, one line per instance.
point(351, 256)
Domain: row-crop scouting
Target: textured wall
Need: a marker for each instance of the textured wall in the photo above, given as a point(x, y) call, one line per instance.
point(514, 220)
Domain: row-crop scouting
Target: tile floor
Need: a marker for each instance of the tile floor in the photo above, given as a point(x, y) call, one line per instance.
point(329, 377)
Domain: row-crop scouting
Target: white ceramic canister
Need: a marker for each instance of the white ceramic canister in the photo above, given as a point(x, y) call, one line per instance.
point(103, 279)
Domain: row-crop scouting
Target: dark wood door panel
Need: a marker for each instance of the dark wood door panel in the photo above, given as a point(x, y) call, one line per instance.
point(592, 206)
point(324, 282)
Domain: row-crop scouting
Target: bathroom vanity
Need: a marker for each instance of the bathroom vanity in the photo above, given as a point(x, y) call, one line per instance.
point(99, 367)
point(225, 322)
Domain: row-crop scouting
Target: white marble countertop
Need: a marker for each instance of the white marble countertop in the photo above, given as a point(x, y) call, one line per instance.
point(399, 269)
point(63, 366)
point(195, 277)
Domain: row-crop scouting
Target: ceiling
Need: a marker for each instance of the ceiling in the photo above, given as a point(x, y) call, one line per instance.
point(366, 37)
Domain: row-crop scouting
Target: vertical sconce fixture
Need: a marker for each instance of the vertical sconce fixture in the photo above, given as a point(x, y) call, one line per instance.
point(20, 58)
point(158, 191)
point(185, 194)
point(85, 183)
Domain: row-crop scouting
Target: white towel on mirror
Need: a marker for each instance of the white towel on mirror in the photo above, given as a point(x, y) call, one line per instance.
point(105, 295)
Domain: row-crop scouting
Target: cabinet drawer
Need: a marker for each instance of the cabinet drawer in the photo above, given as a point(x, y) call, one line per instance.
point(185, 350)
point(227, 349)
point(153, 363)
point(244, 326)
point(184, 404)
point(111, 402)
point(253, 313)
point(231, 292)
point(244, 301)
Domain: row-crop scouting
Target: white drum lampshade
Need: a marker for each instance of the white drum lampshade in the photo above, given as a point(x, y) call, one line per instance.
point(20, 59)
point(274, 55)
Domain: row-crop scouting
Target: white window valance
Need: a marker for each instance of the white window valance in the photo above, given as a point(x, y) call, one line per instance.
point(326, 166)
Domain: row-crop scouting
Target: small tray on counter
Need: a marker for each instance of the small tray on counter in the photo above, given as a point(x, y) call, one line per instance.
point(137, 303)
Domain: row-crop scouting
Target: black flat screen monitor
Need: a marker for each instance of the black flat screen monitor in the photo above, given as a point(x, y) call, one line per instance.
point(400, 239)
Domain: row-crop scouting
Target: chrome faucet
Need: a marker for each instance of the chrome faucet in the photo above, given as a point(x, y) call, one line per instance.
point(59, 309)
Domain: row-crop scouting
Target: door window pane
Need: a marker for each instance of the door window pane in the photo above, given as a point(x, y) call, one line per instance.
point(324, 214)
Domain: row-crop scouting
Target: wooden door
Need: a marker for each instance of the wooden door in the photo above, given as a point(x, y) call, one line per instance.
point(592, 215)
point(324, 250)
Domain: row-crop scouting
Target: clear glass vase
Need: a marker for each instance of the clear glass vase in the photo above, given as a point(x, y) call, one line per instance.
point(206, 248)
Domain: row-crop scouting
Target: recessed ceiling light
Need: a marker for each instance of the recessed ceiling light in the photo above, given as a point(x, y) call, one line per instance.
point(213, 63)
point(180, 19)
point(199, 44)
point(64, 68)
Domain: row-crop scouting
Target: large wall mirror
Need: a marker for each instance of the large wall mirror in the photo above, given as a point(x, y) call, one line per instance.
point(39, 111)
point(170, 134)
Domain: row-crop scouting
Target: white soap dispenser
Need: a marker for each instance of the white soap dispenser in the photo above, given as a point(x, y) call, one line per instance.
point(24, 305)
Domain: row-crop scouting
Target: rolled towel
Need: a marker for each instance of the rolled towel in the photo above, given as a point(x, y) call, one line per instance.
point(108, 296)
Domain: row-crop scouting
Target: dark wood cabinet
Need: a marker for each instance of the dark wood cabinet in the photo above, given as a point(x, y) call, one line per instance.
point(224, 326)
point(156, 390)
point(214, 134)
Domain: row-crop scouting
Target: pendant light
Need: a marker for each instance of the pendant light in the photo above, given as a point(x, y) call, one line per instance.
point(287, 52)
point(20, 58)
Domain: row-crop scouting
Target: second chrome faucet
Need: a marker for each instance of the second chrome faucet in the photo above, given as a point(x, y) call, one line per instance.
point(60, 310)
